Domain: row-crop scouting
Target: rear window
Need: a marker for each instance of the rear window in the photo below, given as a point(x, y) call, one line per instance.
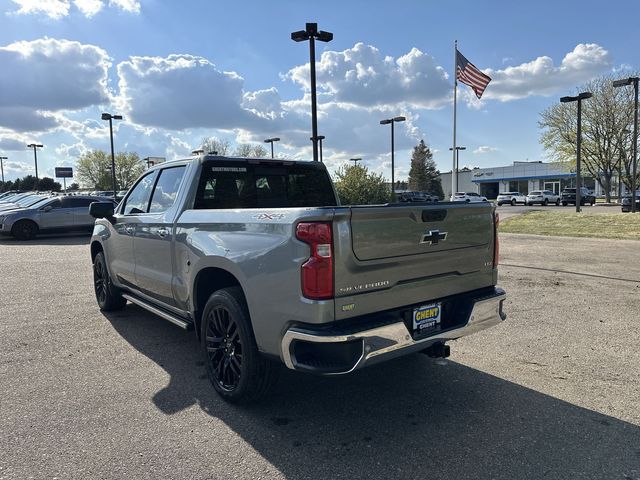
point(569, 190)
point(263, 185)
point(537, 192)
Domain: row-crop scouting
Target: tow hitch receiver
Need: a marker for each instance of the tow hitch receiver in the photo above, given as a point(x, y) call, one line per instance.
point(437, 350)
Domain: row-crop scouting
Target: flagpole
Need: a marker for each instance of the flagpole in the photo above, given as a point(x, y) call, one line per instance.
point(454, 179)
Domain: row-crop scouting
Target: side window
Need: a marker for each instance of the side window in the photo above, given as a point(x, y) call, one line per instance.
point(81, 202)
point(164, 195)
point(138, 199)
point(54, 204)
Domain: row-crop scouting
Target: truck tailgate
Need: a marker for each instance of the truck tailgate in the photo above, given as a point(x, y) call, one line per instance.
point(394, 255)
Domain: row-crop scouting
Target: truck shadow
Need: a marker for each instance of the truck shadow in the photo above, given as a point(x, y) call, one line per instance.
point(73, 238)
point(408, 418)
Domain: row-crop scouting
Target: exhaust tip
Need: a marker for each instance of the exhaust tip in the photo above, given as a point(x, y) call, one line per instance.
point(437, 350)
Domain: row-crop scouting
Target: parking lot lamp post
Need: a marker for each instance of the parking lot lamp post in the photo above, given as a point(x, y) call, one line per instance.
point(578, 98)
point(2, 166)
point(35, 147)
point(110, 117)
point(622, 83)
point(457, 162)
point(271, 140)
point(355, 160)
point(311, 33)
point(392, 121)
point(320, 139)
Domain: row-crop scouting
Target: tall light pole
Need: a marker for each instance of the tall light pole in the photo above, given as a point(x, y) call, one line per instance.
point(271, 140)
point(392, 121)
point(35, 147)
point(2, 166)
point(355, 160)
point(457, 164)
point(110, 117)
point(622, 83)
point(311, 33)
point(320, 138)
point(578, 98)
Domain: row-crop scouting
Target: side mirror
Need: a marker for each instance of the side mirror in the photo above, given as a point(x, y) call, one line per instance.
point(101, 209)
point(48, 208)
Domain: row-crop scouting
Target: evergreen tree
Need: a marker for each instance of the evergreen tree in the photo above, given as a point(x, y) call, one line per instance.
point(423, 175)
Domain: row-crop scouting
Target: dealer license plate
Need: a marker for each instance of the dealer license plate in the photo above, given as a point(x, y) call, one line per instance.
point(427, 317)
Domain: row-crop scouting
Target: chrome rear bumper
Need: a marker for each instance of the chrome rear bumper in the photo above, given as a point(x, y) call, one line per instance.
point(394, 339)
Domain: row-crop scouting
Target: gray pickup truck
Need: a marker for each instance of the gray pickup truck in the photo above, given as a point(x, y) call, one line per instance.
point(262, 261)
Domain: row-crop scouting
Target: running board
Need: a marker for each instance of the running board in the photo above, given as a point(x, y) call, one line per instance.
point(159, 312)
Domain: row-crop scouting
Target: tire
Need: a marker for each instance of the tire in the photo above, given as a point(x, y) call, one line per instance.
point(557, 202)
point(545, 202)
point(499, 204)
point(243, 377)
point(24, 230)
point(513, 202)
point(564, 204)
point(467, 200)
point(108, 295)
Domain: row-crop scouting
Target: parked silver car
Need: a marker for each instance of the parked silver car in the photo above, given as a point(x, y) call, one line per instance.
point(50, 214)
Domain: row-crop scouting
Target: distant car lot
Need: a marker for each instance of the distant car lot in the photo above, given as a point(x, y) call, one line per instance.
point(552, 392)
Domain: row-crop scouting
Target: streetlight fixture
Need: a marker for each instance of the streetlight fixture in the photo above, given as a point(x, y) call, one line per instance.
point(623, 83)
point(271, 140)
point(311, 33)
point(320, 138)
point(2, 166)
point(35, 147)
point(110, 117)
point(457, 164)
point(578, 98)
point(355, 160)
point(392, 121)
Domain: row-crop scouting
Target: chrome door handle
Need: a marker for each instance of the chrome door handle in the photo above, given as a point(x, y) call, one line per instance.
point(163, 232)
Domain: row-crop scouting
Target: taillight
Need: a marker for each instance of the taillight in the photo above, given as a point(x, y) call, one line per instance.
point(317, 272)
point(496, 241)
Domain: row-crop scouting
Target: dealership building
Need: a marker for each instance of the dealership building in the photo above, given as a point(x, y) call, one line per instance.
point(522, 177)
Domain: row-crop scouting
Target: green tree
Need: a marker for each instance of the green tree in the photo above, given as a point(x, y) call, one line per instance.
point(423, 175)
point(74, 186)
point(607, 120)
point(356, 186)
point(94, 169)
point(49, 185)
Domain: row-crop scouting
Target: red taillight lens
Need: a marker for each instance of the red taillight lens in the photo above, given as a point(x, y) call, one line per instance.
point(317, 272)
point(496, 241)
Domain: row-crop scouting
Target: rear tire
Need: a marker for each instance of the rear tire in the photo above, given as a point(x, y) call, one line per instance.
point(564, 204)
point(24, 230)
point(558, 203)
point(545, 202)
point(513, 202)
point(108, 295)
point(236, 369)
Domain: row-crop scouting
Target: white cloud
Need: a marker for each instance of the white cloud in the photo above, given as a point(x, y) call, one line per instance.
point(184, 91)
point(17, 169)
point(363, 76)
point(89, 7)
point(55, 9)
point(131, 6)
point(484, 149)
point(542, 77)
point(13, 143)
point(49, 75)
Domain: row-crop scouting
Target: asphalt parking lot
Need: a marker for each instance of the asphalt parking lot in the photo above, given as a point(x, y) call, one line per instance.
point(553, 392)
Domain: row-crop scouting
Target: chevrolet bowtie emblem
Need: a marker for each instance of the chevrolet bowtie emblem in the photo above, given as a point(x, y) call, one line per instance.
point(432, 237)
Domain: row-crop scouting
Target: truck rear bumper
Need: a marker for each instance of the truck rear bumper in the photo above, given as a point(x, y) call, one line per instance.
point(331, 352)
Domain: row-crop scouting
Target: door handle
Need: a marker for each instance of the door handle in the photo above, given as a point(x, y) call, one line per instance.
point(129, 229)
point(163, 231)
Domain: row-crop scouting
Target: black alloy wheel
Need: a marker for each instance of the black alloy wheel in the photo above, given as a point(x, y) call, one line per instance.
point(108, 296)
point(24, 230)
point(224, 348)
point(513, 202)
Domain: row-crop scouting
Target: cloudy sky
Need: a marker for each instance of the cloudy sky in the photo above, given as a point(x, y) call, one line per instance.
point(182, 71)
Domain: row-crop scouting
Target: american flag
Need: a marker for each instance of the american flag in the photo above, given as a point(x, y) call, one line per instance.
point(468, 73)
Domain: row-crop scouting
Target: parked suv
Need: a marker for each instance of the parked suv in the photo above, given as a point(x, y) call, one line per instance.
point(468, 197)
point(417, 197)
point(511, 198)
point(626, 202)
point(543, 197)
point(569, 197)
